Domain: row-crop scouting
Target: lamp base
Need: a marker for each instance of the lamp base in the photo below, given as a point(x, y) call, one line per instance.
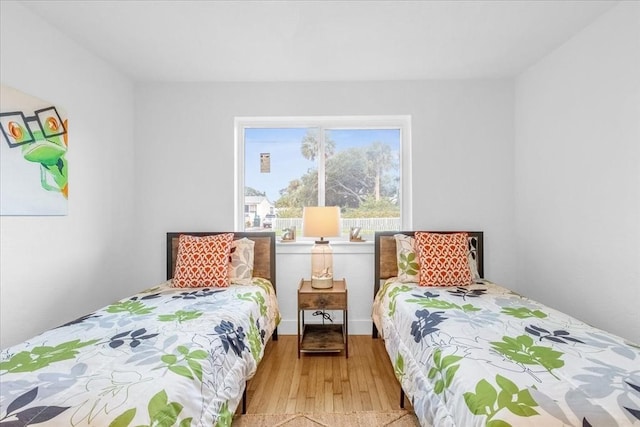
point(321, 282)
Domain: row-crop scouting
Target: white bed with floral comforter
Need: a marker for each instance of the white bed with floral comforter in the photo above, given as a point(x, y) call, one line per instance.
point(164, 357)
point(481, 355)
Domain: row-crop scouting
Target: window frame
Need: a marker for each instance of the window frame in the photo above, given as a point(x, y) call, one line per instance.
point(402, 122)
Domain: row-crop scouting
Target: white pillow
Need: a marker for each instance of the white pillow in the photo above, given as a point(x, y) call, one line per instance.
point(408, 267)
point(241, 261)
point(473, 264)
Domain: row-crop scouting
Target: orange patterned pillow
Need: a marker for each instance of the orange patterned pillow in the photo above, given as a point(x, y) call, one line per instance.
point(203, 261)
point(443, 259)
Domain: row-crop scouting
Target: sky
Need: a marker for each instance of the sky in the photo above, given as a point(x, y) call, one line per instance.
point(286, 160)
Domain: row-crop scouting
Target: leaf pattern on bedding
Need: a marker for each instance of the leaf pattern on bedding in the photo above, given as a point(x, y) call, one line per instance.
point(232, 337)
point(398, 367)
point(132, 307)
point(80, 320)
point(602, 341)
point(523, 312)
point(147, 296)
point(522, 350)
point(135, 338)
point(603, 380)
point(226, 416)
point(198, 293)
point(559, 335)
point(426, 323)
point(394, 294)
point(465, 293)
point(430, 300)
point(185, 363)
point(475, 319)
point(517, 358)
point(445, 368)
point(161, 413)
point(29, 416)
point(257, 298)
point(48, 384)
point(635, 412)
point(256, 337)
point(180, 316)
point(389, 283)
point(103, 393)
point(489, 402)
point(110, 367)
point(42, 356)
point(264, 284)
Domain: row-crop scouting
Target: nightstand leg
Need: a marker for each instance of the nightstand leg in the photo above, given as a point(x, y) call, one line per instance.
point(299, 313)
point(345, 321)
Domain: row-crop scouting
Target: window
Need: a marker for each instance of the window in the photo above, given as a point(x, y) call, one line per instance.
point(357, 163)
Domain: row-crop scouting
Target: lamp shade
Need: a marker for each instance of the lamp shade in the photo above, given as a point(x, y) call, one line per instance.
point(321, 221)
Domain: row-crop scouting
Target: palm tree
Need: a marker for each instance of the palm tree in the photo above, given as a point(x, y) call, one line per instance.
point(309, 147)
point(380, 158)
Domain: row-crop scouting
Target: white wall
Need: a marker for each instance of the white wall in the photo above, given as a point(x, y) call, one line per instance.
point(462, 160)
point(55, 269)
point(578, 175)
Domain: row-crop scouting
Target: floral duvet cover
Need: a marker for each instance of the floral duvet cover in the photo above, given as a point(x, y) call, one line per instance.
point(164, 357)
point(481, 355)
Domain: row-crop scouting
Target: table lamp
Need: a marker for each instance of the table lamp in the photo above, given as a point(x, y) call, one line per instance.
point(321, 221)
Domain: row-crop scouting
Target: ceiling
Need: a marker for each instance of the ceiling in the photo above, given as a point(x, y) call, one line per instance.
point(319, 40)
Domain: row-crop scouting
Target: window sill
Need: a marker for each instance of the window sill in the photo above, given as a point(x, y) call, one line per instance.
point(338, 246)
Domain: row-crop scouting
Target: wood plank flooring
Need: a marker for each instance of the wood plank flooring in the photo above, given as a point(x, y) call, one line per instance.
point(326, 382)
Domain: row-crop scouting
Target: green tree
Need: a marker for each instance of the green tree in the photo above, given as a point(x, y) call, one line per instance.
point(310, 146)
point(348, 180)
point(300, 192)
point(380, 159)
point(288, 195)
point(355, 177)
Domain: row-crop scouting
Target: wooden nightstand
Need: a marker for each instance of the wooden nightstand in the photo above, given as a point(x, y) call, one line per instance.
point(314, 338)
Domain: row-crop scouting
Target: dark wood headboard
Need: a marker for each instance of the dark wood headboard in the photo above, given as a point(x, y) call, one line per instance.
point(386, 261)
point(264, 263)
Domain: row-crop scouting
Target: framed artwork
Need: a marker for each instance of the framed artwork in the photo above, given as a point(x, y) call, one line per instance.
point(33, 166)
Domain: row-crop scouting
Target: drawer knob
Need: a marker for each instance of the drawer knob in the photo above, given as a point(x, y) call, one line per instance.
point(322, 302)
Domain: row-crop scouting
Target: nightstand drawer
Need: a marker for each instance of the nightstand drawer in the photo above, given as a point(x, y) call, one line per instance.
point(327, 301)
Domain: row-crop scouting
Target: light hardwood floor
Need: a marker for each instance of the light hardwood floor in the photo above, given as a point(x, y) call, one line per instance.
point(325, 382)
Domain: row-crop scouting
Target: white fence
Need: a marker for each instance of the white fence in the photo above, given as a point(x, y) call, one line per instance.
point(368, 225)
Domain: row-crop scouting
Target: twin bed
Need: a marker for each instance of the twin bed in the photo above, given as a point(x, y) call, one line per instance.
point(466, 355)
point(167, 356)
point(481, 355)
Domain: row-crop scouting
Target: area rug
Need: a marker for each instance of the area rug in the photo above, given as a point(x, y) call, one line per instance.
point(355, 419)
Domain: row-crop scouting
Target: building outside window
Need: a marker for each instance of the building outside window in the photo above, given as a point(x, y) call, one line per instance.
point(357, 163)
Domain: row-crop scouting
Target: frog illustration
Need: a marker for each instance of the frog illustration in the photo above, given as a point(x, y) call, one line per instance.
point(42, 138)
